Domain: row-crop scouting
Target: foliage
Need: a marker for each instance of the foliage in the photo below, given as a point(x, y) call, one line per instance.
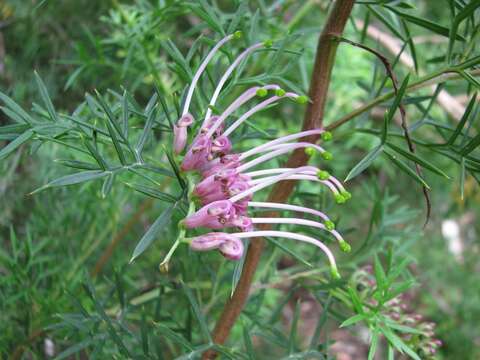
point(80, 263)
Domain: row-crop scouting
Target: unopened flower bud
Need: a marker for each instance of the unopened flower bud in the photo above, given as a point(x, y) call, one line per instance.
point(310, 151)
point(327, 136)
point(346, 195)
point(330, 225)
point(327, 155)
point(237, 35)
point(345, 246)
point(262, 92)
point(323, 175)
point(334, 273)
point(339, 199)
point(280, 92)
point(302, 99)
point(268, 43)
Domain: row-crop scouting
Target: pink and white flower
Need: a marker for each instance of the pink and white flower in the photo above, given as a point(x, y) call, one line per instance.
point(228, 181)
point(180, 132)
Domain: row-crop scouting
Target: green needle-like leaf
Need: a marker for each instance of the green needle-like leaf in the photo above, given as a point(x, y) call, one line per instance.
point(95, 153)
point(396, 101)
point(18, 112)
point(365, 162)
point(353, 320)
point(155, 229)
point(471, 145)
point(173, 336)
point(399, 344)
point(463, 120)
point(107, 185)
point(73, 179)
point(406, 169)
point(152, 192)
point(77, 164)
point(110, 328)
point(418, 160)
point(373, 345)
point(46, 98)
point(467, 11)
point(12, 146)
point(197, 312)
point(472, 80)
point(427, 24)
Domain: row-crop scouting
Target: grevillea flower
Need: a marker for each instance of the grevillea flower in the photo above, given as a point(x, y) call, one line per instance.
point(229, 181)
point(180, 132)
point(229, 245)
point(217, 215)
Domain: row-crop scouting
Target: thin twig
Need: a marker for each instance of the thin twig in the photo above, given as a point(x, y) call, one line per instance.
point(401, 107)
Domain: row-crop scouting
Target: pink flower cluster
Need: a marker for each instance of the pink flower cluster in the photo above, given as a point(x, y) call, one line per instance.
point(227, 186)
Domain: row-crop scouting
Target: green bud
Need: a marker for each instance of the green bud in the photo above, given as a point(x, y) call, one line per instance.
point(268, 43)
point(323, 175)
point(327, 136)
point(335, 274)
point(345, 246)
point(346, 195)
point(330, 225)
point(279, 92)
point(262, 92)
point(237, 35)
point(302, 99)
point(310, 151)
point(327, 155)
point(339, 199)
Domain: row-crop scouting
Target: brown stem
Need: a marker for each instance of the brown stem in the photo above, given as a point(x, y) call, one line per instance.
point(324, 60)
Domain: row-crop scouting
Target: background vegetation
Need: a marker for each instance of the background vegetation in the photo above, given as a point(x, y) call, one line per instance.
point(67, 289)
